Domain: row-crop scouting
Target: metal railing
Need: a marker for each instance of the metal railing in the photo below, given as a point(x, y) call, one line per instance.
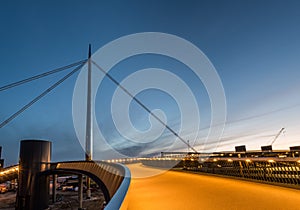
point(276, 170)
point(114, 177)
point(280, 167)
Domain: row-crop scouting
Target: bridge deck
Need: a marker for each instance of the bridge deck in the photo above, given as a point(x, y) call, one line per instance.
point(177, 190)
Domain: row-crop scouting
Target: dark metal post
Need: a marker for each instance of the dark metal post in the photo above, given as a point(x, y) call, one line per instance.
point(33, 190)
point(80, 191)
point(54, 179)
point(89, 125)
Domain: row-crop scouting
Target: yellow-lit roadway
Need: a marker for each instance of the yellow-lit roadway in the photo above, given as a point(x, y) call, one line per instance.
point(178, 190)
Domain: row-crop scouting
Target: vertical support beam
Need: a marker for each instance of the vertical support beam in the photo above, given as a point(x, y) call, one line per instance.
point(80, 191)
point(89, 123)
point(241, 169)
point(54, 180)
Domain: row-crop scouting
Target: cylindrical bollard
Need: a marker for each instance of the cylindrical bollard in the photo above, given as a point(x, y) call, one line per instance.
point(33, 191)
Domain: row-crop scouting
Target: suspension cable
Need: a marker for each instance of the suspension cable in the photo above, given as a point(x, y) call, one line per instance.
point(5, 122)
point(143, 105)
point(40, 75)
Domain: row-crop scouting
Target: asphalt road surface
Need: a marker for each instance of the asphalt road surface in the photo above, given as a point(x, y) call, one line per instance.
point(177, 190)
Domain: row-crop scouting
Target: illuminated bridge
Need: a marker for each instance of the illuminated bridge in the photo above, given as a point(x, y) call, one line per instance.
point(193, 184)
point(187, 186)
point(9, 173)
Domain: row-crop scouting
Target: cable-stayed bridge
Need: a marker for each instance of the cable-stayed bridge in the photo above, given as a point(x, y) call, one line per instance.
point(193, 189)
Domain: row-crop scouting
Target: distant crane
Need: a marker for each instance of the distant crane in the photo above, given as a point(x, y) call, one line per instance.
point(277, 135)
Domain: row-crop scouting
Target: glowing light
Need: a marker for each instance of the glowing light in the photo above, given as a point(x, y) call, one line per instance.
point(215, 160)
point(248, 160)
point(271, 161)
point(230, 160)
point(282, 156)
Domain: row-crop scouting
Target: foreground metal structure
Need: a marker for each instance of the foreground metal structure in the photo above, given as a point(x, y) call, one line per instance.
point(35, 168)
point(113, 178)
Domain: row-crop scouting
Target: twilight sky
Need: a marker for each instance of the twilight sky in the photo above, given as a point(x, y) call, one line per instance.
point(254, 46)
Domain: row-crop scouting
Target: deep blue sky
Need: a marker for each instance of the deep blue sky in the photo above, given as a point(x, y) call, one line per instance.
point(254, 46)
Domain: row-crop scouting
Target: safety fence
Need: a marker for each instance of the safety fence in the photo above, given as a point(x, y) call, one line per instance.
point(269, 170)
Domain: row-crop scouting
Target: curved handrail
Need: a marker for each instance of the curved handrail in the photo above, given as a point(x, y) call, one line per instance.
point(118, 198)
point(115, 177)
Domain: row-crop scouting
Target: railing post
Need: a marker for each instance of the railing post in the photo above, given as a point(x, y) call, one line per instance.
point(54, 179)
point(80, 191)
